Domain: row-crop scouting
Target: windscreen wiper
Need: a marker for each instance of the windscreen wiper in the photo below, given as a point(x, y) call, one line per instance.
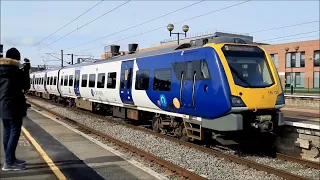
point(239, 76)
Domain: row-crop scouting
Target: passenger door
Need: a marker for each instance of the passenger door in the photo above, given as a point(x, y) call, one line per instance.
point(126, 82)
point(77, 83)
point(188, 85)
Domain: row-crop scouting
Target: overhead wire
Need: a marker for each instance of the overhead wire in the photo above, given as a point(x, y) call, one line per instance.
point(227, 7)
point(288, 36)
point(136, 25)
point(69, 22)
point(85, 25)
point(264, 30)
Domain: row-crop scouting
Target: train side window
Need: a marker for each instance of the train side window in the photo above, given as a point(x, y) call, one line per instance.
point(84, 80)
point(101, 80)
point(142, 80)
point(202, 70)
point(112, 79)
point(71, 80)
point(65, 83)
point(50, 80)
point(92, 80)
point(162, 80)
point(55, 80)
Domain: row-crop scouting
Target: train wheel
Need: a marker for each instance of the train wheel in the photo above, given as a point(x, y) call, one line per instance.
point(182, 133)
point(156, 124)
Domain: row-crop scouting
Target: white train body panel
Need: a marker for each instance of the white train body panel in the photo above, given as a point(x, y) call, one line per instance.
point(39, 87)
point(103, 95)
point(66, 82)
point(52, 81)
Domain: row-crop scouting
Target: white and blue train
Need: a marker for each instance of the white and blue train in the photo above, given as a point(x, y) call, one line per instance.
point(194, 91)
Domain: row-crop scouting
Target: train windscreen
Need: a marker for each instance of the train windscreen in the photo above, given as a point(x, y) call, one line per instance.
point(248, 66)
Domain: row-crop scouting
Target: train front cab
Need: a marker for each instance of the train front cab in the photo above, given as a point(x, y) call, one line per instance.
point(256, 93)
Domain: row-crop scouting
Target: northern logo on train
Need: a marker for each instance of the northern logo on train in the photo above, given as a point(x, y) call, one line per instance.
point(163, 100)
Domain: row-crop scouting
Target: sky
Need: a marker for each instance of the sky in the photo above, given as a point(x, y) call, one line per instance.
point(26, 23)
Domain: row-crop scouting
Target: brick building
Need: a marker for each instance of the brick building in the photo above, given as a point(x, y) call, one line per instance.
point(297, 61)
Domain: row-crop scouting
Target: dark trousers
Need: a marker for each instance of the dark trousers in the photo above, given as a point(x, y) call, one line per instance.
point(11, 135)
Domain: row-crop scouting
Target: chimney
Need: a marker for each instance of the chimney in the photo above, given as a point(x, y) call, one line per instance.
point(132, 48)
point(113, 49)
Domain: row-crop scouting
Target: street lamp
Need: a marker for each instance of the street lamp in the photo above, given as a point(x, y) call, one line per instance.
point(185, 29)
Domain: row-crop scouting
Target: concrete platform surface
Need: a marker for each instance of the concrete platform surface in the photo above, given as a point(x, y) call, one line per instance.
point(37, 168)
point(78, 157)
point(302, 113)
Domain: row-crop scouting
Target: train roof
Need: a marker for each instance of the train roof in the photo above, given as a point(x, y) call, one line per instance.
point(127, 56)
point(186, 46)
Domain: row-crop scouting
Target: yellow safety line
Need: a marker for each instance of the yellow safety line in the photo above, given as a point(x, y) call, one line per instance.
point(44, 155)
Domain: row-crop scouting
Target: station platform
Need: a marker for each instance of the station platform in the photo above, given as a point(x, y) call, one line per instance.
point(303, 118)
point(54, 151)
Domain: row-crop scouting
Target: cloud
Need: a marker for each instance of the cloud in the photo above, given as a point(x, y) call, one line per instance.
point(19, 41)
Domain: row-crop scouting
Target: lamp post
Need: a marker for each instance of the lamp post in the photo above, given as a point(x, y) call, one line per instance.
point(287, 49)
point(185, 29)
point(295, 48)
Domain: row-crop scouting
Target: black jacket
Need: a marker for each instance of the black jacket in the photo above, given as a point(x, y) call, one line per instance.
point(12, 81)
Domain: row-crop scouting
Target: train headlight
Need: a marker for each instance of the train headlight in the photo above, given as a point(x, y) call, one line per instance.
point(280, 99)
point(237, 102)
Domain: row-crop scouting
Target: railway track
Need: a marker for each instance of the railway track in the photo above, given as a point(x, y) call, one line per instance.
point(175, 168)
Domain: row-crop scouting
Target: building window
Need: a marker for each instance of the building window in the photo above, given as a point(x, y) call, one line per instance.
point(302, 59)
point(101, 80)
point(92, 80)
point(295, 59)
point(112, 79)
point(142, 80)
point(316, 80)
point(297, 79)
point(84, 80)
point(162, 80)
point(275, 60)
point(316, 58)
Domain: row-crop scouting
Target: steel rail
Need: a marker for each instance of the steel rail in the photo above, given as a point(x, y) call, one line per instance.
point(172, 167)
point(233, 158)
point(311, 164)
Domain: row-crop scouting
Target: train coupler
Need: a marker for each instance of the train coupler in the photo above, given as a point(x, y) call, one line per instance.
point(263, 123)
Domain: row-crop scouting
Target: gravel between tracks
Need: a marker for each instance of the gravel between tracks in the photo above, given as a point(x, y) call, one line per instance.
point(203, 164)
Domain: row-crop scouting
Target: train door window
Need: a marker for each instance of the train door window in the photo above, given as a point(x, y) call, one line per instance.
point(84, 80)
point(142, 80)
point(162, 80)
point(189, 70)
point(48, 81)
point(61, 81)
point(101, 80)
point(71, 80)
point(129, 78)
point(112, 79)
point(55, 80)
point(92, 80)
point(42, 81)
point(65, 83)
point(123, 77)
